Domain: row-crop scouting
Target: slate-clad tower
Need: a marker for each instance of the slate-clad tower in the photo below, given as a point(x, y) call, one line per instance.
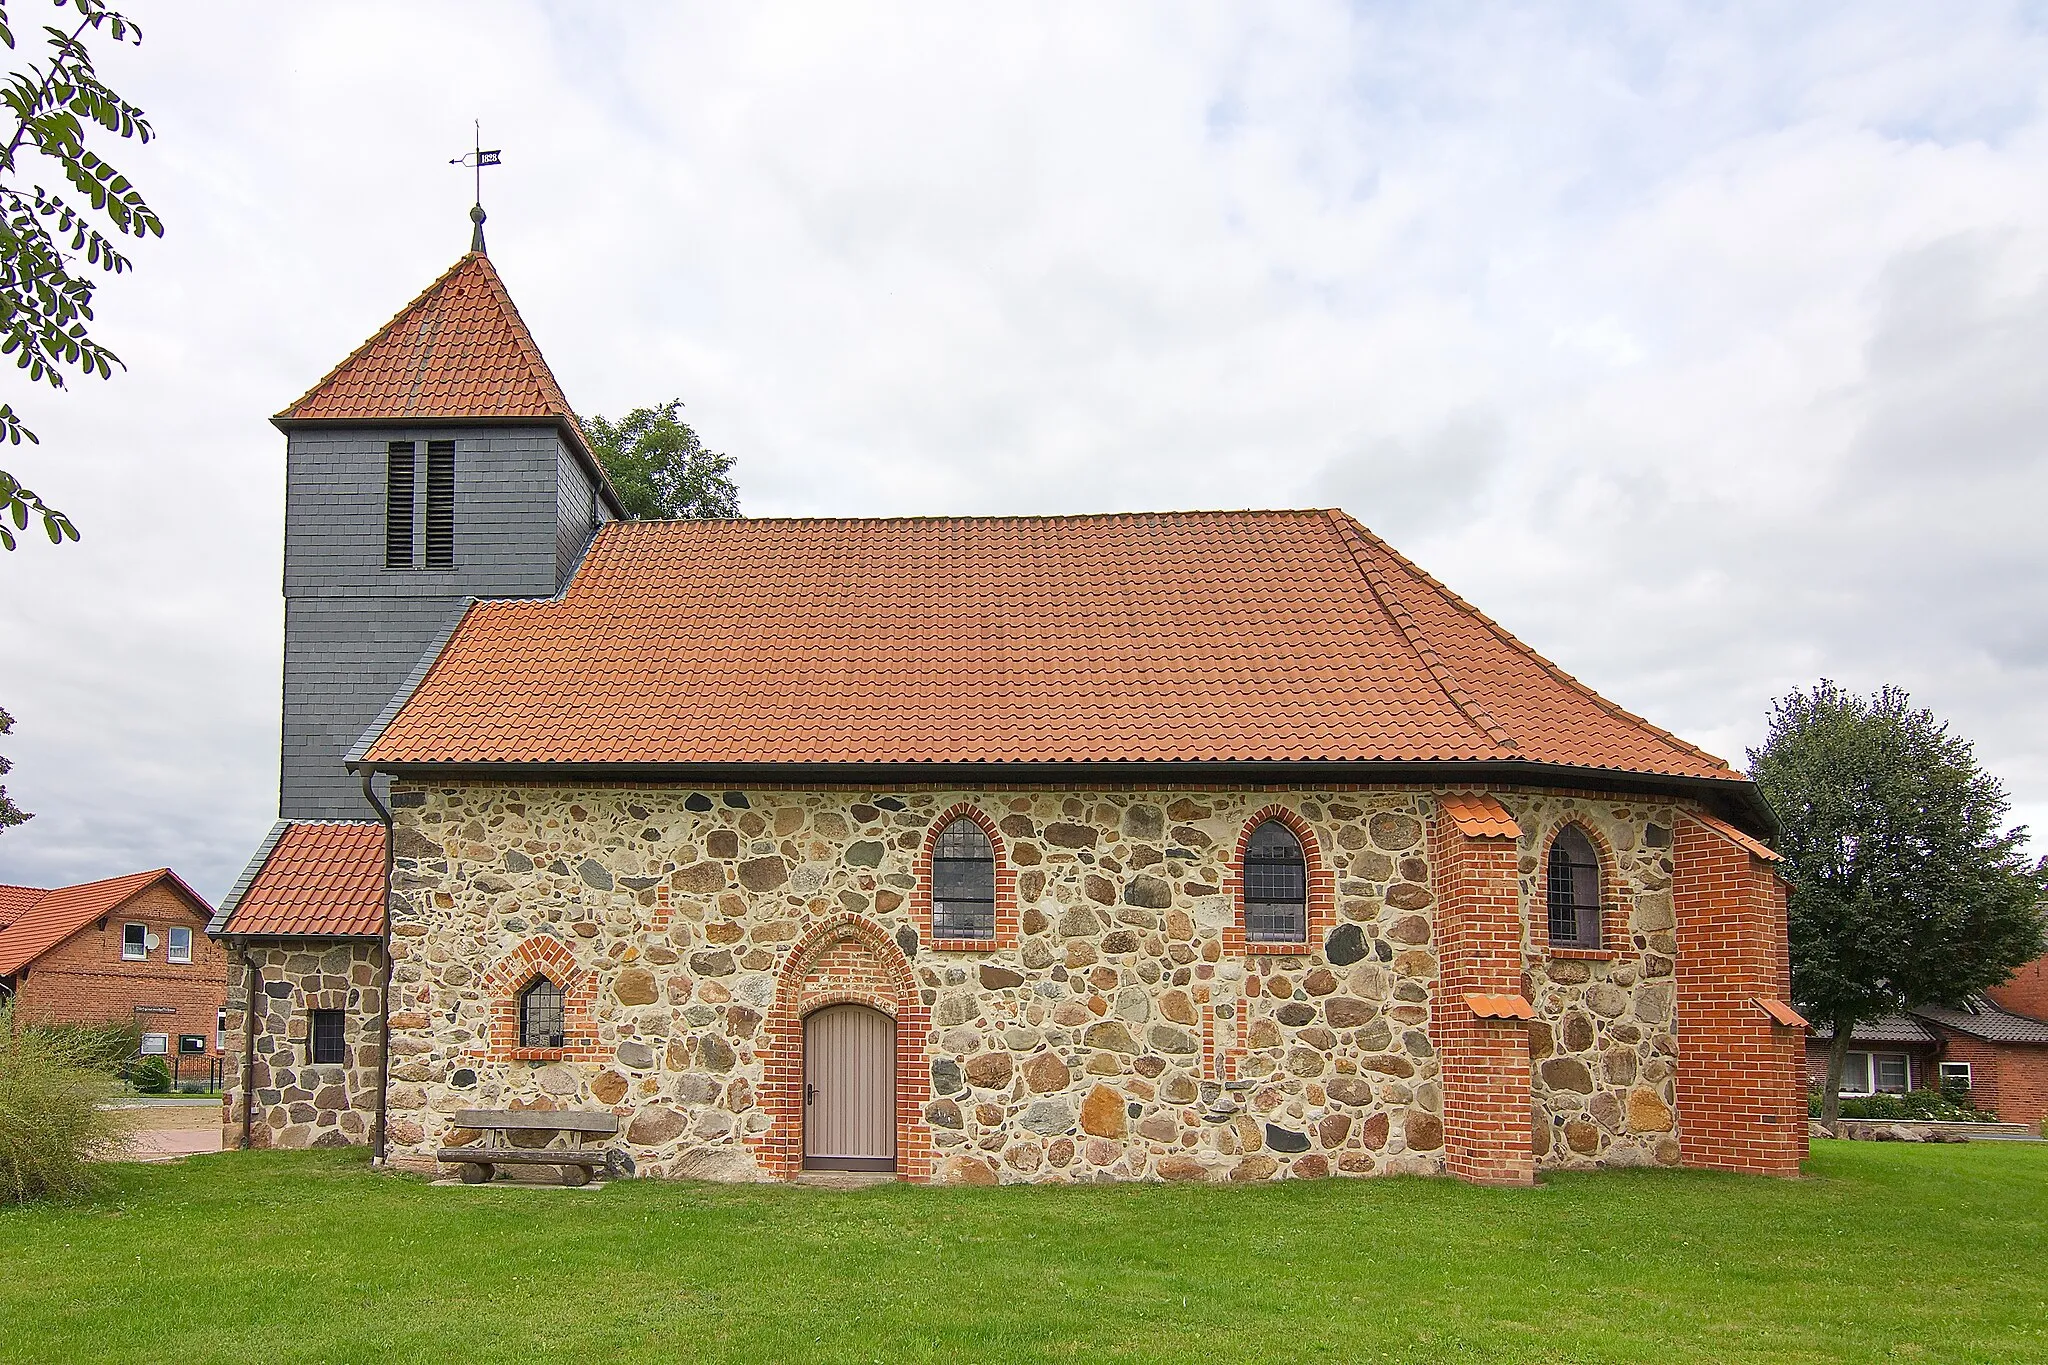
point(437, 463)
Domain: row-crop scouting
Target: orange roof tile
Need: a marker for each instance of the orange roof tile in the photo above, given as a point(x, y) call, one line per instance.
point(1171, 637)
point(319, 879)
point(1756, 847)
point(1479, 816)
point(41, 924)
point(1500, 1007)
point(1780, 1012)
point(459, 350)
point(15, 899)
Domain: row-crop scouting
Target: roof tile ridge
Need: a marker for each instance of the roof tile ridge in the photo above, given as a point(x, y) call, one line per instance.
point(522, 337)
point(1004, 517)
point(1508, 638)
point(1349, 531)
point(374, 337)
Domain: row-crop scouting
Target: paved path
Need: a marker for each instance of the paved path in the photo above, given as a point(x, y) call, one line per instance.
point(166, 1131)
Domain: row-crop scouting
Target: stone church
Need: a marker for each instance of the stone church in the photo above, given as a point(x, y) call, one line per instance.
point(1186, 846)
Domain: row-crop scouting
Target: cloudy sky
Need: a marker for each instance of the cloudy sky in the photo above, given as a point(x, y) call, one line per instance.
point(1702, 347)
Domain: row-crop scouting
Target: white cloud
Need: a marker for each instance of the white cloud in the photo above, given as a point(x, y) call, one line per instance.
point(1698, 348)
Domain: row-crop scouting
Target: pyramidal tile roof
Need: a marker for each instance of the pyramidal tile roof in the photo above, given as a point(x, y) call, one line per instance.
point(39, 920)
point(311, 878)
point(1285, 636)
point(459, 350)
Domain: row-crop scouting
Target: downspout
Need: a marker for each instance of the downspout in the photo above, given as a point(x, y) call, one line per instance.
point(252, 983)
point(384, 991)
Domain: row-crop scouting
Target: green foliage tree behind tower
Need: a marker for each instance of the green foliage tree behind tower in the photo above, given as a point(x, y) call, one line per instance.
point(660, 468)
point(1906, 888)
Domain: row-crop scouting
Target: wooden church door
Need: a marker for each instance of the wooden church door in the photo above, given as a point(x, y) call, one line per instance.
point(849, 1090)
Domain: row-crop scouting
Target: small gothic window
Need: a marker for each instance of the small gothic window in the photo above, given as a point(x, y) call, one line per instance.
point(1574, 881)
point(540, 1015)
point(963, 882)
point(1275, 886)
point(326, 1042)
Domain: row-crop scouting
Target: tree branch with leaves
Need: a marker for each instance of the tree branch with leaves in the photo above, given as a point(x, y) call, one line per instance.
point(51, 243)
point(660, 468)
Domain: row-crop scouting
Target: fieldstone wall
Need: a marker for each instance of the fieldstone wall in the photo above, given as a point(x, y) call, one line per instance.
point(299, 1104)
point(1603, 1047)
point(1114, 1038)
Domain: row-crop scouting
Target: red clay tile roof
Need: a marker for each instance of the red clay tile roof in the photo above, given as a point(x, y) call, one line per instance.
point(458, 350)
point(1780, 1012)
point(1200, 636)
point(15, 899)
point(41, 924)
point(1734, 835)
point(1501, 1007)
point(321, 880)
point(1480, 817)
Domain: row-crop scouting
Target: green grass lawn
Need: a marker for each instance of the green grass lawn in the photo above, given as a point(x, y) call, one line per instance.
point(1889, 1252)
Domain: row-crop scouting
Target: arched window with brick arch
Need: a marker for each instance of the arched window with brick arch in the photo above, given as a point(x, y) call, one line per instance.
point(966, 898)
point(1572, 878)
point(1284, 892)
point(540, 1014)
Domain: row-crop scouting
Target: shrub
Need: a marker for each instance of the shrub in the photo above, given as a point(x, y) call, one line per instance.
point(1914, 1106)
point(150, 1075)
point(54, 1085)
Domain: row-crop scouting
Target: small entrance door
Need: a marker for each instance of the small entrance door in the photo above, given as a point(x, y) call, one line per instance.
point(849, 1090)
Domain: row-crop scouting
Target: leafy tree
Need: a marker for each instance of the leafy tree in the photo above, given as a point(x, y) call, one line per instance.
point(10, 814)
point(47, 240)
point(1905, 889)
point(660, 467)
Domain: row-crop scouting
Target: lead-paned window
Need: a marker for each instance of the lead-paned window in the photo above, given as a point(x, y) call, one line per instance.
point(540, 1015)
point(440, 518)
point(1275, 886)
point(963, 882)
point(326, 1043)
point(400, 482)
point(1574, 885)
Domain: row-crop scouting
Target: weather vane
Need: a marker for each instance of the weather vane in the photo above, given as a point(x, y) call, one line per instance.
point(478, 158)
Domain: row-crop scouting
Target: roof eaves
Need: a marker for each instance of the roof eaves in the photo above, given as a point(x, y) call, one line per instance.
point(218, 925)
point(360, 750)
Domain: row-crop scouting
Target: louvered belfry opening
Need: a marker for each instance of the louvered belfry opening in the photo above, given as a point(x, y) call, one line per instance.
point(1275, 886)
point(400, 482)
point(1573, 880)
point(440, 504)
point(963, 882)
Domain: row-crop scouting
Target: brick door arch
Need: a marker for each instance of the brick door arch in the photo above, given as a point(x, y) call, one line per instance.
point(846, 959)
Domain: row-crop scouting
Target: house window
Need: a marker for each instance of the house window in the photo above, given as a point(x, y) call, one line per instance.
point(1876, 1073)
point(1275, 886)
point(191, 1042)
point(326, 1045)
point(540, 1015)
point(181, 945)
point(155, 1044)
point(440, 519)
point(220, 1030)
point(1574, 886)
point(400, 480)
point(134, 942)
point(963, 882)
point(1955, 1079)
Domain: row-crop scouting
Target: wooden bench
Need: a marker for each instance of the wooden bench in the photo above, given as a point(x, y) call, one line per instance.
point(577, 1161)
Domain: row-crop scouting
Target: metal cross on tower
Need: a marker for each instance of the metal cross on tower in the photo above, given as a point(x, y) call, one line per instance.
point(478, 158)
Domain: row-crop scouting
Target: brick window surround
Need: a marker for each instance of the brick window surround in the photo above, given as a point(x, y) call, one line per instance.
point(507, 981)
point(1614, 917)
point(844, 959)
point(1322, 889)
point(1006, 886)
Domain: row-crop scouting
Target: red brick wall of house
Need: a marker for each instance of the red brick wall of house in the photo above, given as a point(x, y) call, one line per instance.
point(2008, 1079)
point(1485, 1062)
point(1741, 1079)
point(2027, 992)
point(83, 979)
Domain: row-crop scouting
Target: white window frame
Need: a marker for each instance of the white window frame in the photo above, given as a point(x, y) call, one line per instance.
point(1862, 1082)
point(134, 952)
point(1941, 1075)
point(220, 1029)
point(171, 945)
point(154, 1045)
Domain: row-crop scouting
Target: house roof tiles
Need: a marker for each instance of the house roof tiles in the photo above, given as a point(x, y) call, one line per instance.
point(312, 879)
point(1982, 1019)
point(39, 920)
point(1479, 816)
point(1288, 636)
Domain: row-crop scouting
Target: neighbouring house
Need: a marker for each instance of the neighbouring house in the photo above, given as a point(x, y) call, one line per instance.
point(130, 948)
point(1213, 845)
point(1997, 1054)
